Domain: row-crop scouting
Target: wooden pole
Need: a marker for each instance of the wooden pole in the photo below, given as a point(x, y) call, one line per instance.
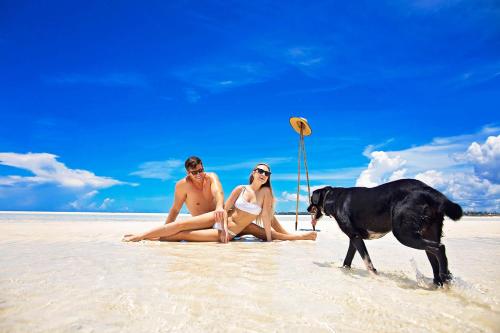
point(301, 126)
point(307, 174)
point(298, 179)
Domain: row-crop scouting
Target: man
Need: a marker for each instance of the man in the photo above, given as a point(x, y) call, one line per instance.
point(202, 193)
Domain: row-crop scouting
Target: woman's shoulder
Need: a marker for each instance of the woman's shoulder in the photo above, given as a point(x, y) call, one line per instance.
point(265, 190)
point(239, 187)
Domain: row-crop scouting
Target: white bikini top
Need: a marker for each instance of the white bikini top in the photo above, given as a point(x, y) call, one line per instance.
point(246, 206)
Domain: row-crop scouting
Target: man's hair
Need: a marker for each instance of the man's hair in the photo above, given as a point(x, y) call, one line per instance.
point(192, 162)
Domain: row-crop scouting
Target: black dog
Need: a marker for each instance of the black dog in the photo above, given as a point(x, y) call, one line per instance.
point(411, 209)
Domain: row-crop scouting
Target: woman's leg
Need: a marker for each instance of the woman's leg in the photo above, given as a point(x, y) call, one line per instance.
point(277, 226)
point(207, 235)
point(277, 232)
point(295, 236)
point(282, 234)
point(202, 221)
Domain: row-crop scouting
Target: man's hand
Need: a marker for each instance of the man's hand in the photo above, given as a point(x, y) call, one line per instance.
point(223, 234)
point(219, 215)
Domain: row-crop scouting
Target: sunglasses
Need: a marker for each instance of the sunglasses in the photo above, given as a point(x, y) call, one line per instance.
point(263, 172)
point(195, 172)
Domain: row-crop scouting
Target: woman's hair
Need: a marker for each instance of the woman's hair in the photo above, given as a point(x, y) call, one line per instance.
point(266, 184)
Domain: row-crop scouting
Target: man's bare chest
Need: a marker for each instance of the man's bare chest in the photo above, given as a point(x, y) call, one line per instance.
point(196, 196)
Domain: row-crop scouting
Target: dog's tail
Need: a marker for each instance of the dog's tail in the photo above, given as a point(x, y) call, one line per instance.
point(451, 209)
point(445, 205)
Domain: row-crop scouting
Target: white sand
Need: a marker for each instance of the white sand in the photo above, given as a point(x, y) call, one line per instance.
point(71, 273)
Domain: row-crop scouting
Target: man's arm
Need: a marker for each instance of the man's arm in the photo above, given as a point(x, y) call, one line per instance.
point(179, 198)
point(218, 195)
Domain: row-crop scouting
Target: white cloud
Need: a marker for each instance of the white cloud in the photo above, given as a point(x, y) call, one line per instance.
point(48, 170)
point(287, 197)
point(485, 158)
point(381, 169)
point(163, 170)
point(303, 195)
point(86, 202)
point(106, 203)
point(465, 170)
point(432, 178)
point(473, 192)
point(54, 186)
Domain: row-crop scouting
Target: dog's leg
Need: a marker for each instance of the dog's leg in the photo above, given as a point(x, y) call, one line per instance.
point(411, 238)
point(350, 255)
point(439, 252)
point(360, 246)
point(435, 268)
point(434, 232)
point(444, 273)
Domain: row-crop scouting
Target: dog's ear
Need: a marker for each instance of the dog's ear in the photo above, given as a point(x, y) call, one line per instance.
point(315, 197)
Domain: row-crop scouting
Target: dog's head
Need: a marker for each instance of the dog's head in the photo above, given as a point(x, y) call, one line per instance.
point(316, 206)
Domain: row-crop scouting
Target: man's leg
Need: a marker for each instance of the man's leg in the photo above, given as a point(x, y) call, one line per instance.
point(202, 221)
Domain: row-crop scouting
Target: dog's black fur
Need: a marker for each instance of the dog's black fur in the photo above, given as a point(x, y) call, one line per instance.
point(413, 211)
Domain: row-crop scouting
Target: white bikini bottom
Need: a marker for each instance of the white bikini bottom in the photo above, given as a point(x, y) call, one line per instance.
point(218, 226)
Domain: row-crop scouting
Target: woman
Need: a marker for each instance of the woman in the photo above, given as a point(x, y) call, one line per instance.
point(245, 204)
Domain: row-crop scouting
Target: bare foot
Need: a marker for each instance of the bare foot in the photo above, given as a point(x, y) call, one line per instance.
point(311, 235)
point(131, 238)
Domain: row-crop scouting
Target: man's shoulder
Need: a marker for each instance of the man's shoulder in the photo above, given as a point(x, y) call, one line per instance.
point(181, 183)
point(212, 175)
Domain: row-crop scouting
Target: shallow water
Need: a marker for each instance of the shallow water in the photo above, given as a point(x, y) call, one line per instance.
point(71, 273)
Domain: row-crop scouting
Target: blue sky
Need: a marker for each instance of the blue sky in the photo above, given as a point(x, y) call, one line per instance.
point(101, 102)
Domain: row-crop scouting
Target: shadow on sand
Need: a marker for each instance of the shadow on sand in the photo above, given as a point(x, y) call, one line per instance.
point(309, 229)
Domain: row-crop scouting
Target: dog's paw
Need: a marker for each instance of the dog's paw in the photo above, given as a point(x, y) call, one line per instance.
point(438, 282)
point(446, 278)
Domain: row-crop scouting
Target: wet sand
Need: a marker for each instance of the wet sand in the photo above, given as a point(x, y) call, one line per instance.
point(71, 273)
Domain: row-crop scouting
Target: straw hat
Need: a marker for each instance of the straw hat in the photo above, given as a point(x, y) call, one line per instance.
point(296, 123)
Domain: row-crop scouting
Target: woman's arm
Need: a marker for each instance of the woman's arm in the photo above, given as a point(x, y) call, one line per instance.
point(267, 213)
point(232, 197)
